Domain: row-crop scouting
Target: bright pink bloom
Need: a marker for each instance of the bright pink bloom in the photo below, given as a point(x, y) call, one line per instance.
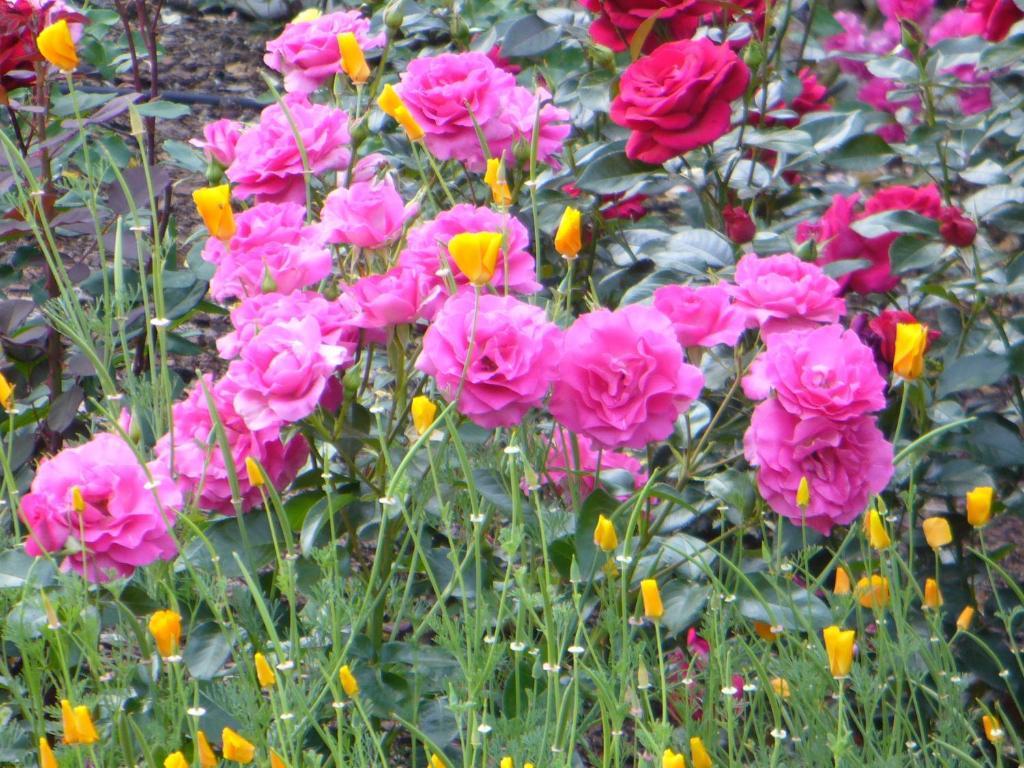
point(782, 293)
point(856, 38)
point(514, 356)
point(955, 228)
point(199, 467)
point(824, 372)
point(268, 163)
point(272, 251)
point(917, 11)
point(219, 139)
point(426, 247)
point(701, 316)
point(307, 54)
point(398, 297)
point(678, 97)
point(452, 95)
point(562, 468)
point(845, 463)
point(618, 20)
point(369, 214)
point(956, 22)
point(812, 98)
point(127, 518)
point(257, 312)
point(623, 380)
point(280, 376)
point(999, 15)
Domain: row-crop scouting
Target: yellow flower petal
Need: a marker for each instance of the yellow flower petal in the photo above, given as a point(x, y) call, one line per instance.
point(57, 46)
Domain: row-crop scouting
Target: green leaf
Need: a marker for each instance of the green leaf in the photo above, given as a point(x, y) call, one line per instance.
point(492, 488)
point(995, 442)
point(529, 36)
point(972, 372)
point(207, 648)
point(18, 570)
point(887, 222)
point(862, 153)
point(909, 252)
point(734, 489)
point(845, 266)
point(612, 173)
point(786, 604)
point(163, 109)
point(684, 604)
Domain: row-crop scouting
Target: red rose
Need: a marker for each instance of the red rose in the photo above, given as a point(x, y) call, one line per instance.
point(619, 19)
point(999, 16)
point(955, 228)
point(678, 98)
point(738, 225)
point(883, 328)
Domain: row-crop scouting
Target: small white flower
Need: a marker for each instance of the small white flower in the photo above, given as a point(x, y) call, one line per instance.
point(287, 716)
point(285, 665)
point(387, 501)
point(779, 734)
point(729, 690)
point(195, 711)
point(490, 639)
point(516, 647)
point(159, 322)
point(576, 650)
point(550, 667)
point(511, 450)
point(477, 519)
point(484, 728)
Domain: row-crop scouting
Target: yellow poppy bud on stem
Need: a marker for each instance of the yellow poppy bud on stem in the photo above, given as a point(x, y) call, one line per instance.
point(993, 729)
point(236, 747)
point(699, 754)
point(839, 647)
point(653, 608)
point(496, 180)
point(932, 595)
point(803, 493)
point(165, 626)
point(569, 237)
point(908, 358)
point(214, 205)
point(423, 413)
point(412, 128)
point(207, 759)
point(476, 255)
point(78, 726)
point(349, 684)
point(353, 62)
point(979, 505)
point(872, 591)
point(77, 500)
point(253, 472)
point(670, 759)
point(605, 536)
point(56, 45)
point(842, 583)
point(878, 537)
point(937, 532)
point(46, 757)
point(964, 620)
point(176, 760)
point(6, 394)
point(264, 672)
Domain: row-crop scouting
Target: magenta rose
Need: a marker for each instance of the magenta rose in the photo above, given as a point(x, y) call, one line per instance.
point(272, 251)
point(917, 11)
point(426, 247)
point(825, 372)
point(257, 312)
point(281, 374)
point(678, 97)
point(446, 93)
point(955, 228)
point(857, 38)
point(781, 293)
point(618, 20)
point(369, 214)
point(219, 139)
point(199, 467)
point(398, 297)
point(623, 380)
point(845, 463)
point(306, 52)
point(701, 316)
point(514, 356)
point(583, 463)
point(126, 516)
point(999, 16)
point(268, 163)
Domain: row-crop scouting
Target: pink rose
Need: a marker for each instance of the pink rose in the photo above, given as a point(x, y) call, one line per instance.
point(452, 95)
point(917, 11)
point(581, 462)
point(781, 293)
point(739, 227)
point(856, 38)
point(306, 52)
point(623, 380)
point(825, 372)
point(281, 374)
point(398, 297)
point(126, 518)
point(426, 247)
point(701, 316)
point(446, 93)
point(956, 22)
point(272, 251)
point(268, 163)
point(199, 467)
point(514, 356)
point(845, 463)
point(369, 214)
point(955, 228)
point(252, 314)
point(678, 98)
point(219, 139)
